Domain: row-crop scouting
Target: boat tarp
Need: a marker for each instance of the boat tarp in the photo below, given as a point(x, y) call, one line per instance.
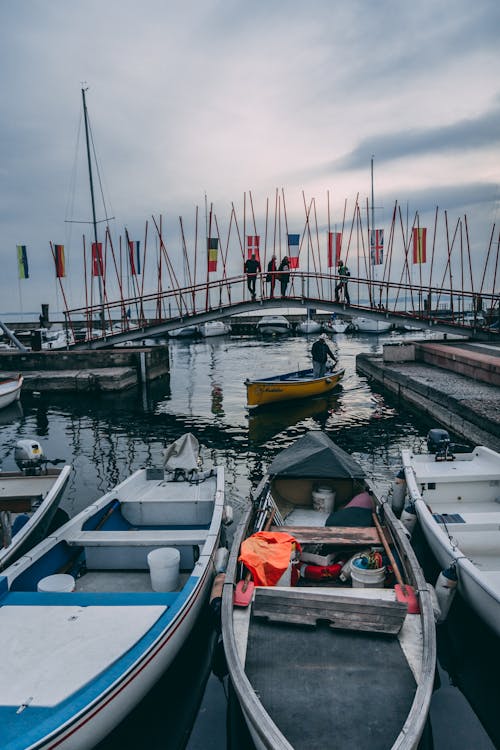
point(315, 456)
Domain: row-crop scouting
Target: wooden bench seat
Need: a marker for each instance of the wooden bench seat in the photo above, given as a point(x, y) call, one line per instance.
point(142, 538)
point(347, 536)
point(301, 607)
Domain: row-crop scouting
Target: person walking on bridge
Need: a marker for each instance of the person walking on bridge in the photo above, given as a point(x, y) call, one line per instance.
point(343, 273)
point(284, 274)
point(271, 275)
point(320, 353)
point(252, 267)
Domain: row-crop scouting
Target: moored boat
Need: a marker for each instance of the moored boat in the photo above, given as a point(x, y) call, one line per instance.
point(184, 332)
point(98, 610)
point(29, 499)
point(309, 326)
point(371, 325)
point(214, 328)
point(456, 498)
point(310, 656)
point(10, 390)
point(290, 386)
point(336, 326)
point(276, 325)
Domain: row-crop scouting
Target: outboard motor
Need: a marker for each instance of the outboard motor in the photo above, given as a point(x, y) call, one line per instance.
point(29, 456)
point(437, 440)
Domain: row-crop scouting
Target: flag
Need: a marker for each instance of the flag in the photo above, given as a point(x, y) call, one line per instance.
point(213, 246)
point(134, 256)
point(60, 261)
point(334, 241)
point(419, 245)
point(293, 250)
point(97, 266)
point(376, 247)
point(253, 243)
point(22, 262)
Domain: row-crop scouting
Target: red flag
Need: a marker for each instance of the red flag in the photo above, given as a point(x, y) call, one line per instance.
point(419, 245)
point(253, 244)
point(60, 261)
point(97, 264)
point(334, 240)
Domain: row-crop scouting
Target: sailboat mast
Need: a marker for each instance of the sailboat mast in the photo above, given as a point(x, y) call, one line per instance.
point(92, 198)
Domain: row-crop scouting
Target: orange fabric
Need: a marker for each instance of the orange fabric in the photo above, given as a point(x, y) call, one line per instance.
point(267, 555)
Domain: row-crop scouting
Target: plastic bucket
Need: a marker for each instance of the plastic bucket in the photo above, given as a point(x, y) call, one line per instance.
point(323, 499)
point(366, 578)
point(58, 583)
point(164, 568)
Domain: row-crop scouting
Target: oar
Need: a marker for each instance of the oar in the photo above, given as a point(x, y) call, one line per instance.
point(243, 592)
point(404, 592)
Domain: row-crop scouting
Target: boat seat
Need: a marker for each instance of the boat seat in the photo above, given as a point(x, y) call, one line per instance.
point(346, 536)
point(142, 538)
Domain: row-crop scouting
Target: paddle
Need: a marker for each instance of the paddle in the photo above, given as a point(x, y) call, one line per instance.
point(404, 592)
point(243, 592)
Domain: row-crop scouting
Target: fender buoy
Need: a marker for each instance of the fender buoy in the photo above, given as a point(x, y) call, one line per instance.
point(318, 572)
point(446, 586)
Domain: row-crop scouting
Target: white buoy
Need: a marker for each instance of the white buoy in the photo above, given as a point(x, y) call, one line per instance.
point(221, 558)
point(409, 518)
point(446, 586)
point(398, 493)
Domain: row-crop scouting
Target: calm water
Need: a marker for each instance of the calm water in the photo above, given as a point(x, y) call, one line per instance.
point(107, 437)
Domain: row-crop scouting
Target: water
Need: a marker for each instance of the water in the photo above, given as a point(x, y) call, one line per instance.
point(106, 437)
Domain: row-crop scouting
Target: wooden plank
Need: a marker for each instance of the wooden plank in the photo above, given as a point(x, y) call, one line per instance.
point(343, 612)
point(348, 536)
point(18, 504)
point(138, 538)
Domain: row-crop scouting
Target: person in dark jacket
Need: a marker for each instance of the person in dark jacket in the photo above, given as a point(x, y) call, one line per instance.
point(320, 352)
point(271, 275)
point(252, 267)
point(343, 273)
point(284, 274)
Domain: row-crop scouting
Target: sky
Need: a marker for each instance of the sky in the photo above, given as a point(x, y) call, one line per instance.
point(210, 102)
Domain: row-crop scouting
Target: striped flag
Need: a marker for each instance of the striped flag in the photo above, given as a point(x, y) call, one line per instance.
point(334, 241)
point(376, 247)
point(97, 265)
point(253, 245)
point(60, 261)
point(134, 257)
point(22, 262)
point(419, 245)
point(293, 250)
point(212, 247)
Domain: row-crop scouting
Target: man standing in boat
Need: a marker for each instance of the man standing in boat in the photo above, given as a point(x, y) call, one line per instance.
point(252, 267)
point(320, 352)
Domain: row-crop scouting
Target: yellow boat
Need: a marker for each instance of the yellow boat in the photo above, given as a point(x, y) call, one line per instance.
point(292, 385)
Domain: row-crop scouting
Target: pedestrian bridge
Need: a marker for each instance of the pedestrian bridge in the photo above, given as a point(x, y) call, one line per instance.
point(425, 307)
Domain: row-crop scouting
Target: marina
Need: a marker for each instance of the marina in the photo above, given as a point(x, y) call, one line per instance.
point(106, 439)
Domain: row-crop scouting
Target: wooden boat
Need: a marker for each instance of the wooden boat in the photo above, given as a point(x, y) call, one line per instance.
point(214, 328)
point(323, 661)
point(273, 325)
point(290, 386)
point(92, 618)
point(456, 497)
point(371, 325)
point(10, 390)
point(29, 499)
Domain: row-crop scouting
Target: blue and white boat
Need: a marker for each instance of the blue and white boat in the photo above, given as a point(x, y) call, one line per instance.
point(95, 614)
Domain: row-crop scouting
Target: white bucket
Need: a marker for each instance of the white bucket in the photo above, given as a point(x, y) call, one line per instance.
point(367, 578)
point(323, 499)
point(58, 583)
point(164, 568)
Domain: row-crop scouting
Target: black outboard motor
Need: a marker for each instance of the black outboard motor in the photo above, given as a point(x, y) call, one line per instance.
point(437, 440)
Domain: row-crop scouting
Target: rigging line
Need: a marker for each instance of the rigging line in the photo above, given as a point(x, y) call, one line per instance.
point(98, 171)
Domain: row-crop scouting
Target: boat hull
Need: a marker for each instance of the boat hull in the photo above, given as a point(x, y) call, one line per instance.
point(365, 325)
point(10, 390)
point(285, 388)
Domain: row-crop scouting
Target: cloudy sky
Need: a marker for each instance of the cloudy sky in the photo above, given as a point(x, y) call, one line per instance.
point(221, 98)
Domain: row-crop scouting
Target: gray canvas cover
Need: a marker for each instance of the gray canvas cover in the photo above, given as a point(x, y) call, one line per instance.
point(315, 456)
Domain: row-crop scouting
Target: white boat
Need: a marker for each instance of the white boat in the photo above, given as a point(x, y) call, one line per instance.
point(456, 497)
point(29, 499)
point(184, 332)
point(55, 338)
point(336, 326)
point(271, 325)
point(99, 609)
point(214, 328)
point(371, 325)
point(309, 326)
point(314, 660)
point(10, 390)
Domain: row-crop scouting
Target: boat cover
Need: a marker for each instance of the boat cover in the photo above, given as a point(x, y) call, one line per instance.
point(315, 456)
point(182, 454)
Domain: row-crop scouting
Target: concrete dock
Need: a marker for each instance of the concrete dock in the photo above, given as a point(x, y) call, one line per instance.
point(454, 382)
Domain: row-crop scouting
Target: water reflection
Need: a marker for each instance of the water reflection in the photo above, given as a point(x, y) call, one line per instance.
point(266, 422)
